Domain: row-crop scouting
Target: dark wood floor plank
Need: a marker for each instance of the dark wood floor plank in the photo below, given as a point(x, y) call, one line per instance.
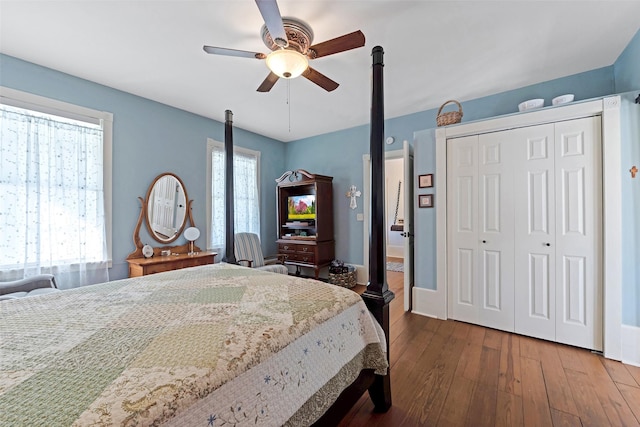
point(618, 372)
point(509, 410)
point(609, 396)
point(632, 397)
point(586, 399)
point(562, 419)
point(493, 338)
point(489, 367)
point(634, 371)
point(482, 410)
point(509, 379)
point(529, 348)
point(430, 398)
point(457, 402)
point(571, 357)
point(461, 330)
point(558, 388)
point(476, 334)
point(535, 404)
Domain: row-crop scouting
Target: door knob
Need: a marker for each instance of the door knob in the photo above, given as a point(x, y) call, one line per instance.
point(484, 241)
point(547, 244)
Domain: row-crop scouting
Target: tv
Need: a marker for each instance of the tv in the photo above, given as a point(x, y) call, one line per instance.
point(301, 208)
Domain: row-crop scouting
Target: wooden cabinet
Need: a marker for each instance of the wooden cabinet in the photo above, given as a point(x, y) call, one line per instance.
point(305, 219)
point(157, 264)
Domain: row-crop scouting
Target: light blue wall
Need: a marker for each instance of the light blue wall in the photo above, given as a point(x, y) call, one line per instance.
point(626, 68)
point(630, 209)
point(150, 138)
point(627, 78)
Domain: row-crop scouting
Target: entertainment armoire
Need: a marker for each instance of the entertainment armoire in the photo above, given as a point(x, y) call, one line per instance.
point(529, 237)
point(308, 244)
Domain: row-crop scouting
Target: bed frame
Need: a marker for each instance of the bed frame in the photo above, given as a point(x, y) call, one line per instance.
point(377, 296)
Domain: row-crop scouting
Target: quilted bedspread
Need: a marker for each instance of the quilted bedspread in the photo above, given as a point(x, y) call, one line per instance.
point(217, 345)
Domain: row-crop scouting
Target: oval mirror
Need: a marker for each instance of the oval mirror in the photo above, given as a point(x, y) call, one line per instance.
point(166, 208)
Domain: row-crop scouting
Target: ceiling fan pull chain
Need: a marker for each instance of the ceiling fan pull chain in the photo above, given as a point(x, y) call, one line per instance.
point(289, 101)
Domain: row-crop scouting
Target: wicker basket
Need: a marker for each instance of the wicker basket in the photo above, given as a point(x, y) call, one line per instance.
point(444, 119)
point(346, 280)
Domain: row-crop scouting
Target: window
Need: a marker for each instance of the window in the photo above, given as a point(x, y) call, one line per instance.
point(246, 171)
point(53, 171)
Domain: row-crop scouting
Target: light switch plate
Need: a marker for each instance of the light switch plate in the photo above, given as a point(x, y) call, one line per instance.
point(360, 217)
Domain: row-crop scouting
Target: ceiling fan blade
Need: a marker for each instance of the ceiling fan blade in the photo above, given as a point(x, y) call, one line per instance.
point(268, 83)
point(339, 44)
point(320, 79)
point(233, 52)
point(273, 20)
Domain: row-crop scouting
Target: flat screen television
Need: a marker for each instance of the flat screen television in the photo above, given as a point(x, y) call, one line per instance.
point(301, 208)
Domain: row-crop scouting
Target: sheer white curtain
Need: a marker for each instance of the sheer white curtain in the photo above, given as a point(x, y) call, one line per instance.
point(52, 216)
point(246, 167)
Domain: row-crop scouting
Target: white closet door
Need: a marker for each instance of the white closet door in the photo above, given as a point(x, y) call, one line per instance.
point(579, 233)
point(535, 229)
point(462, 233)
point(495, 231)
point(481, 235)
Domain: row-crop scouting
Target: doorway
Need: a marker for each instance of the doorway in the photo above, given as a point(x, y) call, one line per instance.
point(405, 258)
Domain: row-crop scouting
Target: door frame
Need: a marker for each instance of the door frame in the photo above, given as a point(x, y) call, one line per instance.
point(609, 109)
point(366, 197)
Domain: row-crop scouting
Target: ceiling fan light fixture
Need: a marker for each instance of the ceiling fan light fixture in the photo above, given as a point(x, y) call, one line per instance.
point(287, 63)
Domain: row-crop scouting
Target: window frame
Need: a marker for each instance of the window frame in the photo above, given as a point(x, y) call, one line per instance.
point(20, 99)
point(211, 144)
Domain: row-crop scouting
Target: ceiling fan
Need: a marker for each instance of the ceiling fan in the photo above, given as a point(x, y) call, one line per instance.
point(290, 42)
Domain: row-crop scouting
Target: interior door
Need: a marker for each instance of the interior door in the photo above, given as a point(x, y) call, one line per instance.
point(480, 212)
point(495, 231)
point(535, 230)
point(408, 224)
point(462, 208)
point(578, 233)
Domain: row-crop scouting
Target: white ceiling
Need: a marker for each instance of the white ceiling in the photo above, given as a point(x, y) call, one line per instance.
point(434, 51)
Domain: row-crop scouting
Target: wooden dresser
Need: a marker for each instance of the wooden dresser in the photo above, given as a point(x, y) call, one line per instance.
point(157, 264)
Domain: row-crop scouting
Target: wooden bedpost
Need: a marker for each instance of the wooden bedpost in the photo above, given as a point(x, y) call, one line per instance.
point(378, 296)
point(229, 256)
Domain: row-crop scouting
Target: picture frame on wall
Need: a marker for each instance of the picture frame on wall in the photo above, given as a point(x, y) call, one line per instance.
point(425, 201)
point(425, 181)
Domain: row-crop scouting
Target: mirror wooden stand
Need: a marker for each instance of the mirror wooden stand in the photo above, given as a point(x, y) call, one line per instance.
point(166, 199)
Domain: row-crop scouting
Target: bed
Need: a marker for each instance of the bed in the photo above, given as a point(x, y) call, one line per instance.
point(212, 345)
point(215, 345)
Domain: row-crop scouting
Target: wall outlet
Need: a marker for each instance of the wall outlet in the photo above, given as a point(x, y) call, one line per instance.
point(360, 217)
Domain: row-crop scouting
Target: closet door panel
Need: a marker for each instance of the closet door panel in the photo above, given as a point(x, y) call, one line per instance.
point(578, 233)
point(534, 217)
point(462, 208)
point(495, 234)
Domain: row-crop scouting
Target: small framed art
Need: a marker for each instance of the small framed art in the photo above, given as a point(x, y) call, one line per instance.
point(425, 201)
point(425, 181)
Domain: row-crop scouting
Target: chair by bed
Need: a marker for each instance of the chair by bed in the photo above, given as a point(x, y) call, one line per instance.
point(248, 252)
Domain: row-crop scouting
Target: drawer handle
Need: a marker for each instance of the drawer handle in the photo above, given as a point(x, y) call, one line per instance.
point(286, 247)
point(305, 249)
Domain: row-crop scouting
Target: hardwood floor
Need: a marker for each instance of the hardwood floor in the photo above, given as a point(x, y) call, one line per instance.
point(449, 373)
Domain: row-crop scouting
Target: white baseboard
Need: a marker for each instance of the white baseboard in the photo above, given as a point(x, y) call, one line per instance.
point(427, 302)
point(630, 337)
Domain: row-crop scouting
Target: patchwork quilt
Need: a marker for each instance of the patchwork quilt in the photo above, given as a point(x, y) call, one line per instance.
point(217, 345)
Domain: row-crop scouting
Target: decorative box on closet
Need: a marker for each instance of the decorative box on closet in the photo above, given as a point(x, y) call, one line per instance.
point(305, 240)
point(524, 221)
